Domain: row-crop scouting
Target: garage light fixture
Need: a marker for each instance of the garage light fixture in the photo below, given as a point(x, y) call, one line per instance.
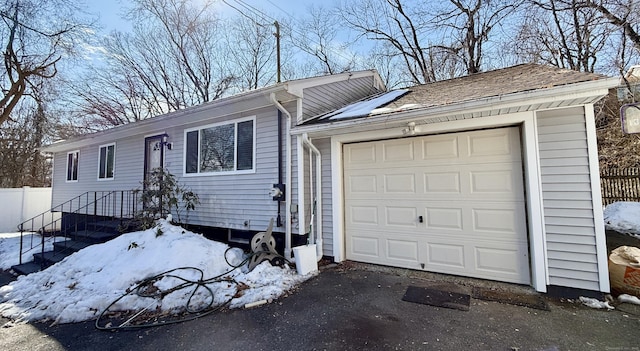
point(410, 129)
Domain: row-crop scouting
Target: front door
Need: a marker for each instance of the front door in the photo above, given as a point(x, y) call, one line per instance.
point(153, 155)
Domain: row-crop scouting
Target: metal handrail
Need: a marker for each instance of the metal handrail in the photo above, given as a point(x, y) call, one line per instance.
point(91, 204)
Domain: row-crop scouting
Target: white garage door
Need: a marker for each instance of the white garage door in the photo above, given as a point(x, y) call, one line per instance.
point(450, 203)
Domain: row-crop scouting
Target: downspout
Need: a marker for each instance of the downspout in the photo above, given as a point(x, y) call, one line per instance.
point(279, 217)
point(318, 192)
point(287, 193)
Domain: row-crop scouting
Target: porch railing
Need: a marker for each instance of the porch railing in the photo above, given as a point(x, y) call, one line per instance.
point(78, 214)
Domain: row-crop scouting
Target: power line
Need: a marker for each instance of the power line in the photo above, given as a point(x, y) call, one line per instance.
point(267, 18)
point(279, 8)
point(244, 14)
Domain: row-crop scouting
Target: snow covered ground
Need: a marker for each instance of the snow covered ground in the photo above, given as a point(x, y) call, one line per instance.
point(87, 282)
point(9, 248)
point(623, 217)
point(81, 286)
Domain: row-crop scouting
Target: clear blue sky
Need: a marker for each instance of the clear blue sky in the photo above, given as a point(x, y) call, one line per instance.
point(110, 10)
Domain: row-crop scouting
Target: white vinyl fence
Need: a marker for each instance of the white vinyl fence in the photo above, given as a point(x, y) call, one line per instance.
point(20, 204)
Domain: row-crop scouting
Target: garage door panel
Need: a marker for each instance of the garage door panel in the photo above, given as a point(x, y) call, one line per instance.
point(362, 154)
point(442, 182)
point(363, 215)
point(498, 220)
point(467, 187)
point(443, 218)
point(495, 263)
point(365, 246)
point(498, 142)
point(401, 216)
point(398, 151)
point(440, 147)
point(497, 260)
point(492, 182)
point(366, 184)
point(405, 250)
point(443, 255)
point(403, 183)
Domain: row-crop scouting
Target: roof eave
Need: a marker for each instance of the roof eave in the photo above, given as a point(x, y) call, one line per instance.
point(584, 91)
point(131, 128)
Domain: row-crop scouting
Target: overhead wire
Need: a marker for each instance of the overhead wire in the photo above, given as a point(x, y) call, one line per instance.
point(267, 18)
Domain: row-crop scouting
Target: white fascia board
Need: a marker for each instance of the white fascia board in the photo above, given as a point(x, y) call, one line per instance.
point(297, 87)
point(595, 89)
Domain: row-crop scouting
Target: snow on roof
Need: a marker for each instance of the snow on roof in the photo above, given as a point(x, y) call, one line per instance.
point(364, 107)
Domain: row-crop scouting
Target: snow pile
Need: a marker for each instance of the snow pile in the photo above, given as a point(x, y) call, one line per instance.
point(10, 248)
point(626, 298)
point(595, 303)
point(85, 283)
point(623, 217)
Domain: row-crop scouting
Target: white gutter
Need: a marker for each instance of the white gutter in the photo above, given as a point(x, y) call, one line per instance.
point(597, 88)
point(318, 217)
point(287, 193)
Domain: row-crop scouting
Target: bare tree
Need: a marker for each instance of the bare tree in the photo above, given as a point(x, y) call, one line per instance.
point(252, 44)
point(36, 35)
point(564, 34)
point(20, 138)
point(469, 25)
point(171, 60)
point(406, 30)
point(624, 14)
point(317, 36)
point(109, 97)
point(435, 40)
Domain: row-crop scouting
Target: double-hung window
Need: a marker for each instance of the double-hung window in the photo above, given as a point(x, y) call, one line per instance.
point(223, 147)
point(106, 161)
point(72, 166)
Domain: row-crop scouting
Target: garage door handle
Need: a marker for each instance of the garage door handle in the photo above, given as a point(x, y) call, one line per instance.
point(420, 219)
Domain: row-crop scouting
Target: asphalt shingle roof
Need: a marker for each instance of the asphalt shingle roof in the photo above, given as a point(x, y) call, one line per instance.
point(520, 78)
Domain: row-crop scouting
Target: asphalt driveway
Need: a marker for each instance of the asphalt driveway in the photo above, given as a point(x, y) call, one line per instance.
point(359, 307)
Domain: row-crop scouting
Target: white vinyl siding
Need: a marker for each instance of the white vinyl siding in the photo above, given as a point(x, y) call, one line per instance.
point(568, 206)
point(229, 199)
point(324, 146)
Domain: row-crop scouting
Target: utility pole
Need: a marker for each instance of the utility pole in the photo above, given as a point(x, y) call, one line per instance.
point(277, 34)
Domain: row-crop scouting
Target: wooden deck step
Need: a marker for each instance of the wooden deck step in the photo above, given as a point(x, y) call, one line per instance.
point(69, 246)
point(93, 237)
point(26, 268)
point(48, 258)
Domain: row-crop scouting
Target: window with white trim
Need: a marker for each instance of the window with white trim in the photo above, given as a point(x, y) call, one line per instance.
point(106, 161)
point(223, 147)
point(72, 166)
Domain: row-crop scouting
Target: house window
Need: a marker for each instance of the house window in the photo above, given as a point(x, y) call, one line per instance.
point(228, 147)
point(72, 166)
point(106, 161)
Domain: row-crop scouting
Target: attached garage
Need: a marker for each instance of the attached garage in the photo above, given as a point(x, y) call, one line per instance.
point(492, 176)
point(451, 203)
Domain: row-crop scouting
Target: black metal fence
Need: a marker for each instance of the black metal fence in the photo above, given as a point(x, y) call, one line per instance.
point(620, 185)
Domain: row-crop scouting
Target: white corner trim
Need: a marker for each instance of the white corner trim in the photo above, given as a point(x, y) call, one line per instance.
point(535, 206)
point(337, 203)
point(302, 220)
point(596, 198)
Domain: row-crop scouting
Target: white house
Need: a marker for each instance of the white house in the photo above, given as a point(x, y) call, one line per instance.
point(493, 175)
